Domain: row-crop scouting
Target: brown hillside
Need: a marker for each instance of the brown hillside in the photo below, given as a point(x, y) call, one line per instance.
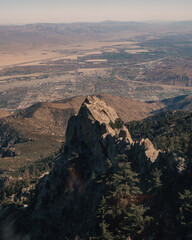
point(130, 110)
point(42, 127)
point(3, 113)
point(52, 117)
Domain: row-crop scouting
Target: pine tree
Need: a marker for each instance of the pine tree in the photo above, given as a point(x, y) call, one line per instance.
point(122, 214)
point(102, 212)
point(155, 182)
point(185, 218)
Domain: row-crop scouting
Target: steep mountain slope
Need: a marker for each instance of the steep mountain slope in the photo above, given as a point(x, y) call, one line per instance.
point(51, 117)
point(42, 126)
point(167, 130)
point(179, 103)
point(126, 108)
point(130, 110)
point(94, 166)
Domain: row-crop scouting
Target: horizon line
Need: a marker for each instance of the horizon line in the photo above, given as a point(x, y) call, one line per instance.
point(92, 22)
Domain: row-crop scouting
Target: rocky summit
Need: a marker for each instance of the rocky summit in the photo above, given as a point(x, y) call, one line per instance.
point(90, 133)
point(95, 134)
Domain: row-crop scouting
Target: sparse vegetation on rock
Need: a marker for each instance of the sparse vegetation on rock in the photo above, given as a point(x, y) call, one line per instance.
point(117, 124)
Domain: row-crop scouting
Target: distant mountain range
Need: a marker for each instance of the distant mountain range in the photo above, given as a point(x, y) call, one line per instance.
point(64, 31)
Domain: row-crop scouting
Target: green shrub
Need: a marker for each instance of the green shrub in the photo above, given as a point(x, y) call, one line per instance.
point(117, 124)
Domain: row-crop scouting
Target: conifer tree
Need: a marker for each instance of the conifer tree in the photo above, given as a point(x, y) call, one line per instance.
point(155, 182)
point(102, 212)
point(121, 214)
point(185, 217)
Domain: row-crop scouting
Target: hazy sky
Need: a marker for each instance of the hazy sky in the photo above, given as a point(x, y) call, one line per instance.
point(30, 11)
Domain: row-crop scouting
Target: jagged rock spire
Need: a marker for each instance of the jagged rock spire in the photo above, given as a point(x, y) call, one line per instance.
point(90, 132)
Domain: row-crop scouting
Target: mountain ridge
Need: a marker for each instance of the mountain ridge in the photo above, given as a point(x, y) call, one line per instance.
point(100, 162)
point(44, 124)
point(91, 142)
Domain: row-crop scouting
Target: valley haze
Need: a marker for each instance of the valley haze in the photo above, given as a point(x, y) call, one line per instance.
point(22, 12)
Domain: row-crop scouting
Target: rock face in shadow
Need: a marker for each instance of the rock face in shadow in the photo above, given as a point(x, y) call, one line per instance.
point(90, 132)
point(8, 138)
point(66, 199)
